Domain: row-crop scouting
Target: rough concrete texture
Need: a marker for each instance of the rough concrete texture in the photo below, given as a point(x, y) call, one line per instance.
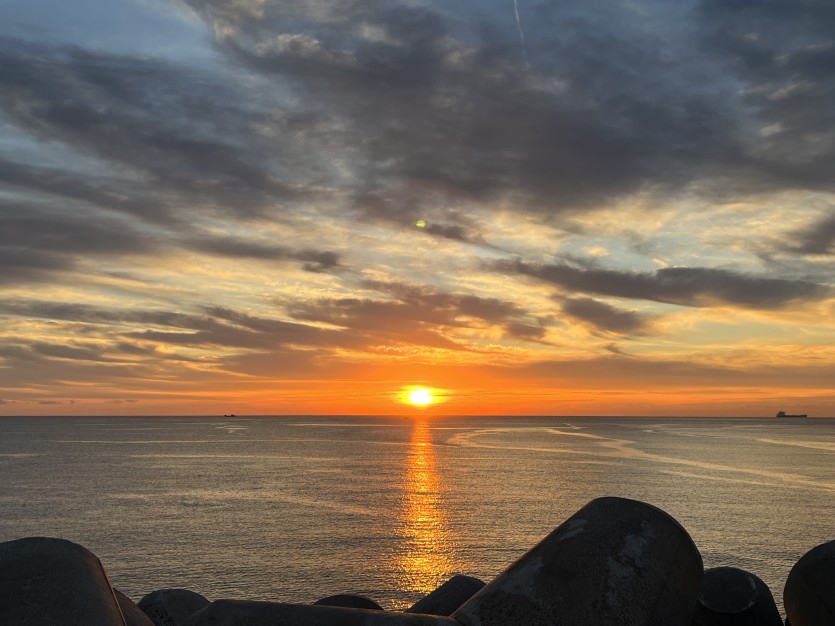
point(171, 607)
point(448, 597)
point(809, 594)
point(133, 614)
point(733, 597)
point(54, 582)
point(349, 601)
point(614, 562)
point(246, 613)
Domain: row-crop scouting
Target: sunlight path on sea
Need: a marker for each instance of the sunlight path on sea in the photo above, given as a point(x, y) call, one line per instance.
point(427, 555)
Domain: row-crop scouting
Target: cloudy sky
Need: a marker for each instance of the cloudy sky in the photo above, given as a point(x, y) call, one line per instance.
point(307, 206)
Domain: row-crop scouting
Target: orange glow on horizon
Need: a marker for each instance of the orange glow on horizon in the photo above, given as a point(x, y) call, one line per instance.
point(371, 389)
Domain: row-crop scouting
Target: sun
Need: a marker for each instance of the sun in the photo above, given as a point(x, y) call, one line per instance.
point(420, 396)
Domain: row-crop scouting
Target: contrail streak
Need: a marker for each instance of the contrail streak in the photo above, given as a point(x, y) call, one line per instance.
point(521, 33)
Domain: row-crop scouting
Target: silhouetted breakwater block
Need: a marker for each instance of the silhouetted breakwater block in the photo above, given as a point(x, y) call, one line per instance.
point(349, 601)
point(171, 607)
point(809, 594)
point(248, 613)
point(54, 582)
point(448, 597)
point(133, 614)
point(733, 597)
point(615, 561)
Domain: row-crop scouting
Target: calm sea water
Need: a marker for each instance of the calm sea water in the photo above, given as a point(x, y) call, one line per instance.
point(297, 508)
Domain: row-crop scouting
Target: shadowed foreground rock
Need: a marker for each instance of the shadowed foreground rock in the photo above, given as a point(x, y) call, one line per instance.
point(171, 607)
point(448, 597)
point(349, 601)
point(54, 582)
point(246, 613)
point(133, 614)
point(733, 597)
point(809, 594)
point(615, 561)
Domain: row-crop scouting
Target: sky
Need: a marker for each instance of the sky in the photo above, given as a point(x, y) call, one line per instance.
point(581, 207)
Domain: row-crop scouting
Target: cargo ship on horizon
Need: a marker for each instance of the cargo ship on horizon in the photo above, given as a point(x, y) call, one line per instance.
point(784, 414)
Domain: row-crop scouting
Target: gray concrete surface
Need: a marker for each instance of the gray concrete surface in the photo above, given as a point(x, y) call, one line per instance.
point(614, 562)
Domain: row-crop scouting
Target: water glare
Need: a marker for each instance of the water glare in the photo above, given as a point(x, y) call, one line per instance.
point(428, 548)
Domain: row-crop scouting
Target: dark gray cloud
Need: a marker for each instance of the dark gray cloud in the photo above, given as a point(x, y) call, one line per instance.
point(137, 333)
point(49, 362)
point(158, 144)
point(77, 351)
point(437, 100)
point(427, 107)
point(39, 242)
point(116, 195)
point(277, 363)
point(213, 323)
point(38, 237)
point(616, 350)
point(312, 260)
point(818, 238)
point(412, 313)
point(137, 346)
point(61, 366)
point(181, 131)
point(783, 53)
point(439, 95)
point(220, 327)
point(66, 311)
point(388, 321)
point(408, 306)
point(687, 286)
point(211, 326)
point(407, 206)
point(67, 230)
point(604, 317)
point(20, 265)
point(417, 296)
point(471, 121)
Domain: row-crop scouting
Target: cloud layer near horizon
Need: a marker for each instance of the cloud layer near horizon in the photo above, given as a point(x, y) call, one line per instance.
point(230, 192)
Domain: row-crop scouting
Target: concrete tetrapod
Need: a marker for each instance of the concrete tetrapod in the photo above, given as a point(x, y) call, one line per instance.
point(171, 607)
point(134, 616)
point(252, 613)
point(349, 601)
point(809, 594)
point(448, 597)
point(54, 582)
point(730, 596)
point(614, 562)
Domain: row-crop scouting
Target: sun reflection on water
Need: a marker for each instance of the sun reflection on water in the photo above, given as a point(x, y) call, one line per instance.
point(427, 559)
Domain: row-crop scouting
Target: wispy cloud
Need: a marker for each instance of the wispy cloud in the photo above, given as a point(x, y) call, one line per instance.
point(688, 286)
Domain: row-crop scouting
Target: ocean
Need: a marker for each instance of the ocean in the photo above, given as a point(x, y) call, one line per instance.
point(294, 509)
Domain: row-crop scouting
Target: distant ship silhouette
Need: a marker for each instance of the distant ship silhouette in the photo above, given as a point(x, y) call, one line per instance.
point(784, 414)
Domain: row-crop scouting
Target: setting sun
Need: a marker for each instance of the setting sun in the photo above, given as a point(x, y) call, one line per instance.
point(420, 396)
